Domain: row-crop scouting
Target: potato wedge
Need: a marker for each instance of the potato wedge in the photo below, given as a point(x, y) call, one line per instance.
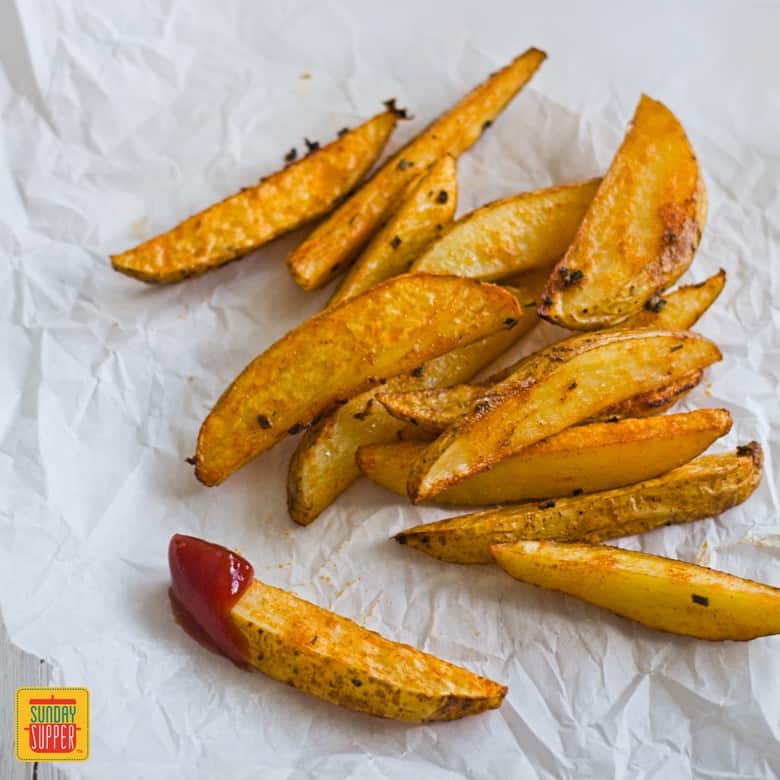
point(435, 410)
point(277, 204)
point(419, 219)
point(661, 593)
point(388, 330)
point(582, 459)
point(679, 309)
point(640, 232)
point(552, 390)
point(516, 234)
point(337, 241)
point(215, 596)
point(704, 487)
point(323, 465)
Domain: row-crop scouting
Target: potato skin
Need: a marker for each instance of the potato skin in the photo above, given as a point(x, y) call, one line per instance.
point(705, 487)
point(551, 390)
point(419, 219)
point(516, 234)
point(580, 459)
point(334, 244)
point(640, 232)
point(333, 658)
point(279, 203)
point(323, 465)
point(388, 330)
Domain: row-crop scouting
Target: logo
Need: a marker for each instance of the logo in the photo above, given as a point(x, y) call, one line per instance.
point(52, 724)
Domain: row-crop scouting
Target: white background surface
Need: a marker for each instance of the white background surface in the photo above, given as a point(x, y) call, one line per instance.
point(119, 119)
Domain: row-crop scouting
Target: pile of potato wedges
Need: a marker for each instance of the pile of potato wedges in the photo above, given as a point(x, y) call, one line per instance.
point(564, 449)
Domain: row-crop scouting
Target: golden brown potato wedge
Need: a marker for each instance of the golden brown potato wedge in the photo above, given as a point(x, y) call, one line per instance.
point(640, 232)
point(679, 309)
point(279, 203)
point(215, 595)
point(704, 487)
point(323, 465)
point(435, 410)
point(661, 593)
point(518, 233)
point(552, 390)
point(390, 329)
point(419, 219)
point(337, 241)
point(582, 459)
point(432, 411)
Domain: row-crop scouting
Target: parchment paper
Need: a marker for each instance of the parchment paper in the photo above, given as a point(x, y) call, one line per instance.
point(120, 119)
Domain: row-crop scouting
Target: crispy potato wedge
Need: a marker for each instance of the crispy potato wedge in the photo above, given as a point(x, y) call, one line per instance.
point(419, 219)
point(435, 410)
point(337, 241)
point(317, 651)
point(552, 390)
point(640, 232)
point(432, 411)
point(334, 658)
point(660, 593)
point(679, 309)
point(518, 233)
point(323, 465)
point(704, 487)
point(277, 204)
point(388, 330)
point(582, 459)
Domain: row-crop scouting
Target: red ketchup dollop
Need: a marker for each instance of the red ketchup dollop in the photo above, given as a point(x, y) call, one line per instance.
point(206, 582)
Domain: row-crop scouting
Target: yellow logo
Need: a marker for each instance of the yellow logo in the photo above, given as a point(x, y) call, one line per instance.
point(52, 724)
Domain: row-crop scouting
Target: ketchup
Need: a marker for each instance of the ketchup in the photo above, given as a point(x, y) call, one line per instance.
point(206, 582)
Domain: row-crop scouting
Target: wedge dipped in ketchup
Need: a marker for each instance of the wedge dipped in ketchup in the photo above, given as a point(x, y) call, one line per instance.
point(216, 598)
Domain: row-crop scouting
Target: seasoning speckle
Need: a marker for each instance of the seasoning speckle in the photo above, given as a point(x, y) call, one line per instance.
point(578, 492)
point(702, 601)
point(401, 113)
point(263, 421)
point(569, 277)
point(395, 242)
point(442, 197)
point(357, 683)
point(547, 505)
point(486, 124)
point(341, 134)
point(192, 461)
point(655, 304)
point(311, 146)
point(417, 371)
point(291, 155)
point(676, 348)
point(404, 164)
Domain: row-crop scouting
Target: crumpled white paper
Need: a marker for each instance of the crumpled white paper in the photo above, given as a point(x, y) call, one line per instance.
point(120, 119)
